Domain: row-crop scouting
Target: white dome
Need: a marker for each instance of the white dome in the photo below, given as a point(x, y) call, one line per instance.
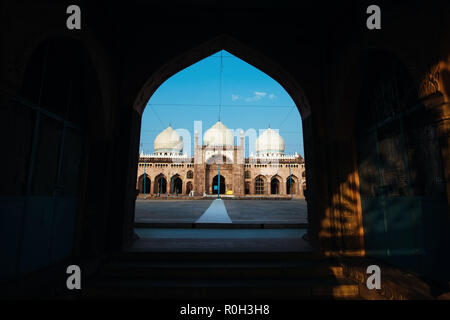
point(219, 135)
point(270, 142)
point(168, 141)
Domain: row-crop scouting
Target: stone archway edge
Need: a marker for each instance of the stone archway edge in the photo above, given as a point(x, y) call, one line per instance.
point(235, 47)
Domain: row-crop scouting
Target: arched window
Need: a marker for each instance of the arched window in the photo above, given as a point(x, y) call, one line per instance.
point(247, 175)
point(259, 186)
point(190, 174)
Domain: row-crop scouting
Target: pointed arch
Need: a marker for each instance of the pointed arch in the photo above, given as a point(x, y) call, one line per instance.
point(275, 184)
point(291, 182)
point(240, 50)
point(144, 183)
point(160, 184)
point(260, 184)
point(176, 184)
point(218, 187)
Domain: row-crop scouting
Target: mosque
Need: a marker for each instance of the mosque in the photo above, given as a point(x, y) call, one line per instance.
point(220, 166)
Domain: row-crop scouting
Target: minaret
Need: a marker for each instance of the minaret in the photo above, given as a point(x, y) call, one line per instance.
point(196, 151)
point(241, 155)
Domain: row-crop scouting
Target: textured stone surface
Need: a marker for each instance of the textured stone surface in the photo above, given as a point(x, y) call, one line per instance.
point(257, 211)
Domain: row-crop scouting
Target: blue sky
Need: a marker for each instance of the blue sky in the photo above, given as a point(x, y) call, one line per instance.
point(249, 99)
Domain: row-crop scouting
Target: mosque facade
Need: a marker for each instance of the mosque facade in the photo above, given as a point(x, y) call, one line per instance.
point(220, 166)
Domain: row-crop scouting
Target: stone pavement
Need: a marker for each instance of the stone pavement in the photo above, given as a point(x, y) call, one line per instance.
point(239, 211)
point(216, 213)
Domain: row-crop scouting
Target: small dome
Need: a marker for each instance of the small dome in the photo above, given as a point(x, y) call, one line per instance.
point(219, 135)
point(168, 141)
point(270, 142)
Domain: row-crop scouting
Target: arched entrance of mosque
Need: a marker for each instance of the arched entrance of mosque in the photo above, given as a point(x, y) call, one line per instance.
point(160, 185)
point(215, 184)
point(176, 185)
point(261, 185)
point(274, 186)
point(144, 184)
point(291, 183)
point(189, 187)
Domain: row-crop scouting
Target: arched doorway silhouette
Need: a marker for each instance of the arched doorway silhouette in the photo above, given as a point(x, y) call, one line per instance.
point(255, 59)
point(215, 184)
point(176, 185)
point(291, 184)
point(189, 187)
point(274, 186)
point(144, 184)
point(160, 186)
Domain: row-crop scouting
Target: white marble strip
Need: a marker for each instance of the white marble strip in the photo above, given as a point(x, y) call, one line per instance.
point(216, 213)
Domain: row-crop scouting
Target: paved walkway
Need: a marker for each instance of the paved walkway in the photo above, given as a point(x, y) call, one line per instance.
point(238, 211)
point(223, 212)
point(216, 213)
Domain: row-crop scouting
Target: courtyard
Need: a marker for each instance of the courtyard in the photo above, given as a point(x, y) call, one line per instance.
point(238, 211)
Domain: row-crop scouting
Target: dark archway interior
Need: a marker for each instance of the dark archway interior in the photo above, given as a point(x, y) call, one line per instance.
point(160, 185)
point(189, 187)
point(146, 185)
point(177, 185)
point(48, 127)
point(275, 186)
point(290, 185)
point(216, 186)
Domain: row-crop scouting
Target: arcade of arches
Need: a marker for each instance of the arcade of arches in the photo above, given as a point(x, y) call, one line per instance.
point(239, 176)
point(375, 108)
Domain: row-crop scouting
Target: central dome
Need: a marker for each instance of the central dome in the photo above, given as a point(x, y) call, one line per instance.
point(168, 141)
point(270, 142)
point(219, 135)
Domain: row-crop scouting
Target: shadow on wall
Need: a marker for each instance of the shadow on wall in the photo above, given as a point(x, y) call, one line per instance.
point(47, 128)
point(401, 171)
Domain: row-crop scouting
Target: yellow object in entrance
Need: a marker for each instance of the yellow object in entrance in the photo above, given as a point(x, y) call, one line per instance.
point(229, 192)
